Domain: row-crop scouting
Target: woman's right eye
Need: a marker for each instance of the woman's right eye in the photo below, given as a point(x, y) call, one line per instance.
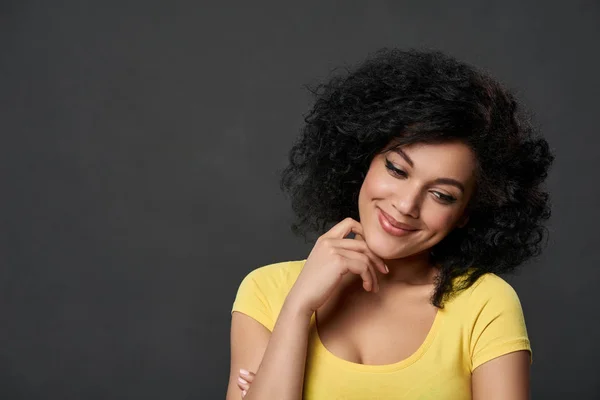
point(393, 169)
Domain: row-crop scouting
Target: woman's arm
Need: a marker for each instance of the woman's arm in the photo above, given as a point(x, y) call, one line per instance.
point(502, 378)
point(333, 261)
point(249, 340)
point(281, 372)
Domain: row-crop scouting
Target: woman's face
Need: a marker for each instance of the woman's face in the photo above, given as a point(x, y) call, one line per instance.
point(426, 187)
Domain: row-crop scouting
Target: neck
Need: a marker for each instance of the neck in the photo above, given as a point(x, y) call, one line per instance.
point(414, 270)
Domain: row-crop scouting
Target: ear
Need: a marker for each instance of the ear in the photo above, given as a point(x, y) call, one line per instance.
point(463, 221)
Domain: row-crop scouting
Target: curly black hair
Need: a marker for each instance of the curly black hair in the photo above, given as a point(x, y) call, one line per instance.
point(426, 96)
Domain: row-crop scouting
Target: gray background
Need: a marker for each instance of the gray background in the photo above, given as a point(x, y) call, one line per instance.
point(141, 142)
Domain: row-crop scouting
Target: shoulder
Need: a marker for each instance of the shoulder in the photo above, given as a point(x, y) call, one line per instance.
point(491, 287)
point(490, 293)
point(271, 282)
point(494, 319)
point(263, 290)
point(276, 275)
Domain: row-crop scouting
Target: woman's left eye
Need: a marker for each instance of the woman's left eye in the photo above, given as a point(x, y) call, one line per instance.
point(444, 197)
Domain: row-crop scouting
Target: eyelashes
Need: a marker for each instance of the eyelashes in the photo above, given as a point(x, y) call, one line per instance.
point(444, 198)
point(395, 170)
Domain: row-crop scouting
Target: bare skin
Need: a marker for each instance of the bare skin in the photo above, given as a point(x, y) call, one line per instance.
point(359, 326)
point(505, 377)
point(362, 329)
point(360, 318)
point(281, 368)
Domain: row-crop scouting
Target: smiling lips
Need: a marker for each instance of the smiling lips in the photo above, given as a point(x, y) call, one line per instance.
point(393, 227)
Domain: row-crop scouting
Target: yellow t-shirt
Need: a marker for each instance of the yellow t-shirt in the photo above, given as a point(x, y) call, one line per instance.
point(482, 322)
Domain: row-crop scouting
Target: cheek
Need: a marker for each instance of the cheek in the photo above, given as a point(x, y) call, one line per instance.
point(376, 183)
point(369, 188)
point(440, 220)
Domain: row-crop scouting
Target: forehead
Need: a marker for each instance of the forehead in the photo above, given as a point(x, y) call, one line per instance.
point(449, 160)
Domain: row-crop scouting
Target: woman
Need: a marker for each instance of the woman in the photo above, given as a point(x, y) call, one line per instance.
point(431, 177)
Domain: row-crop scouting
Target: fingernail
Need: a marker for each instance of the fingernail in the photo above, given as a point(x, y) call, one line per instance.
point(244, 372)
point(386, 268)
point(242, 381)
point(244, 392)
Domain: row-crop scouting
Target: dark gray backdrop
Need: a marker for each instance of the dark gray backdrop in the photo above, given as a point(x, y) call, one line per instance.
point(140, 147)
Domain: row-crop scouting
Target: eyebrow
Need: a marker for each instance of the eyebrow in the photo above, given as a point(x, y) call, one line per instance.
point(450, 181)
point(402, 154)
point(443, 181)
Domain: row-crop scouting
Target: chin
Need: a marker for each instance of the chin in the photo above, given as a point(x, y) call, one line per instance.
point(388, 247)
point(391, 247)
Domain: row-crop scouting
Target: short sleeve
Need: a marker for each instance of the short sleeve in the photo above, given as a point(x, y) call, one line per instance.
point(499, 324)
point(251, 299)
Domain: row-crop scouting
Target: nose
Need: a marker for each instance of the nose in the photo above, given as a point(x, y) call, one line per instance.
point(408, 202)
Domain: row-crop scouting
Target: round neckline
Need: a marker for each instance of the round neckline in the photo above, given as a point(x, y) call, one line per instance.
point(415, 356)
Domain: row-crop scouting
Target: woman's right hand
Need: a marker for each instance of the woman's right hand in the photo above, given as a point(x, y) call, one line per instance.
point(331, 258)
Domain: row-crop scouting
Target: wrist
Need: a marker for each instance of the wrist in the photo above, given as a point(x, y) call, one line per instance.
point(296, 308)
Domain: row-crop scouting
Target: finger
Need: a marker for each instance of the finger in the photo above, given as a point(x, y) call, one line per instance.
point(371, 265)
point(343, 228)
point(249, 377)
point(242, 384)
point(360, 264)
point(363, 248)
point(242, 388)
point(375, 283)
point(244, 393)
point(374, 276)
